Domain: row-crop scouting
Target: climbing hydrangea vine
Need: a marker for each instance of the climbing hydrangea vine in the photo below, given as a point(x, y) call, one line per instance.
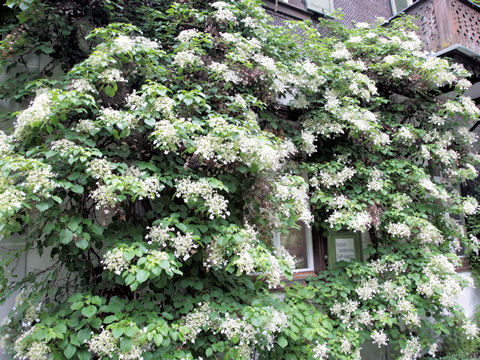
point(156, 179)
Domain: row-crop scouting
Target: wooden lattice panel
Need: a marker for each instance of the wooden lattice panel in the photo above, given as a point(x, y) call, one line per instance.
point(466, 24)
point(426, 20)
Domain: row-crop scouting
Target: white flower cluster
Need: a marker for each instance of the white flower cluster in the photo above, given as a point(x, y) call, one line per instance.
point(331, 179)
point(470, 205)
point(114, 261)
point(187, 58)
point(39, 180)
point(308, 142)
point(186, 36)
point(159, 234)
point(241, 331)
point(227, 143)
point(100, 169)
point(111, 76)
point(166, 136)
point(103, 344)
point(184, 245)
point(289, 191)
point(201, 190)
point(225, 72)
point(196, 321)
point(368, 289)
point(433, 189)
point(224, 13)
point(35, 115)
point(341, 52)
point(87, 127)
point(35, 351)
point(429, 234)
point(379, 338)
point(82, 85)
point(470, 330)
point(11, 200)
point(412, 349)
point(215, 255)
point(401, 230)
point(320, 351)
point(375, 183)
point(266, 62)
point(379, 267)
point(278, 320)
point(244, 261)
point(360, 221)
point(125, 44)
point(122, 119)
point(105, 196)
point(344, 310)
point(440, 280)
point(5, 144)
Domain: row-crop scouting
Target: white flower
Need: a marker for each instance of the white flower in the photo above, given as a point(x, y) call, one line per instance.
point(361, 221)
point(379, 337)
point(470, 330)
point(341, 52)
point(159, 234)
point(103, 344)
point(100, 168)
point(184, 246)
point(470, 206)
point(35, 115)
point(399, 229)
point(114, 261)
point(123, 44)
point(187, 58)
point(368, 289)
point(82, 85)
point(216, 204)
point(308, 142)
point(187, 35)
point(111, 76)
point(362, 25)
point(196, 320)
point(320, 351)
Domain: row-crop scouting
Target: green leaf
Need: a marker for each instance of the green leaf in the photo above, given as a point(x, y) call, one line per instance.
point(142, 275)
point(43, 206)
point(282, 342)
point(117, 332)
point(126, 344)
point(77, 189)
point(65, 236)
point(158, 339)
point(69, 351)
point(89, 311)
point(82, 244)
point(60, 328)
point(97, 229)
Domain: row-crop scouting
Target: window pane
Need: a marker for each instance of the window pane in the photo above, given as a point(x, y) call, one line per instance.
point(401, 4)
point(296, 244)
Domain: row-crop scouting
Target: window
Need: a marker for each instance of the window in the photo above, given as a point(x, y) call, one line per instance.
point(400, 5)
point(299, 243)
point(324, 7)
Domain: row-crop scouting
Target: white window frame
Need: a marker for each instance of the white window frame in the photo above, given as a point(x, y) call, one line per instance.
point(309, 242)
point(394, 6)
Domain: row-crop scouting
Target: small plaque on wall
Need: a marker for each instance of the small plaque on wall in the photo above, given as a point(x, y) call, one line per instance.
point(344, 246)
point(344, 249)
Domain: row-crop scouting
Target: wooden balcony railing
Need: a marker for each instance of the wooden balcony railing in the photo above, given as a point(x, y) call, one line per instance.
point(443, 23)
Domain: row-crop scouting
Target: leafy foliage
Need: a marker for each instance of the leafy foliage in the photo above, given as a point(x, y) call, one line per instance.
point(158, 169)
